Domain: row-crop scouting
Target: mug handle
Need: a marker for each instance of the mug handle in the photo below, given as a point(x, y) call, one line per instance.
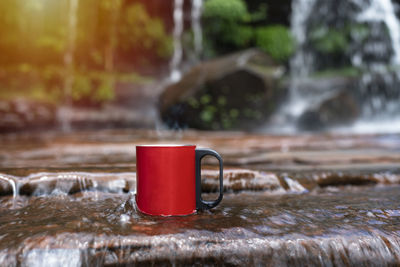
point(200, 203)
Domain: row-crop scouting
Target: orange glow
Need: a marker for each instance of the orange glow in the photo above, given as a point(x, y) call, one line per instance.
point(77, 48)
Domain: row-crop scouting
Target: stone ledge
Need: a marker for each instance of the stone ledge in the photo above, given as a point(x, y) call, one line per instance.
point(235, 180)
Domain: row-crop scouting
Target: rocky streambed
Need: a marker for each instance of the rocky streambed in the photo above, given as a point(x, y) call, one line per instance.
point(67, 199)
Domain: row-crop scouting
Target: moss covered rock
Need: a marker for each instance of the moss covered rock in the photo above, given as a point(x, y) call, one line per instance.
point(233, 92)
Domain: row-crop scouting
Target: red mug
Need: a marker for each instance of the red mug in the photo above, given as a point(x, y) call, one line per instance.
point(169, 179)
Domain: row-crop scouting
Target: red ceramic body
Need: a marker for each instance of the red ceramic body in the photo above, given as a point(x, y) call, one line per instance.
point(166, 179)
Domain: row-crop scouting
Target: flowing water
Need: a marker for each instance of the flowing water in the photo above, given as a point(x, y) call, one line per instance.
point(335, 226)
point(384, 11)
point(301, 64)
point(177, 56)
point(373, 48)
point(182, 59)
point(68, 200)
point(197, 6)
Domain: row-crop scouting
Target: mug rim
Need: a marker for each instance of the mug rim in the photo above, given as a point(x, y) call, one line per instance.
point(165, 145)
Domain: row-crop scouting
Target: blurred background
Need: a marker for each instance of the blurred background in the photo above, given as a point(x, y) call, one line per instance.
point(262, 65)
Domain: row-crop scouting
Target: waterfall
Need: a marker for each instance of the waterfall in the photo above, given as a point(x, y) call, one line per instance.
point(197, 6)
point(379, 87)
point(301, 64)
point(176, 60)
point(378, 15)
point(376, 55)
point(383, 10)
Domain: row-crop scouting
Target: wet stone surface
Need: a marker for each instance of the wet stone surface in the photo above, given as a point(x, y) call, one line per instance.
point(22, 154)
point(338, 225)
point(321, 200)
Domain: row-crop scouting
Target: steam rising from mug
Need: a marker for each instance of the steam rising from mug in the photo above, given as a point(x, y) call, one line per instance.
point(169, 179)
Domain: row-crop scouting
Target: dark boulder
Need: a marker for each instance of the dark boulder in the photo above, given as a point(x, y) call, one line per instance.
point(234, 92)
point(341, 108)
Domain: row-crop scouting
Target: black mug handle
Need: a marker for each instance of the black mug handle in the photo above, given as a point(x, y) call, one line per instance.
point(200, 203)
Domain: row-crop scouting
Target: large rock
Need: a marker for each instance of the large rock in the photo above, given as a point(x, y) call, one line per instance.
point(333, 102)
point(233, 92)
point(340, 109)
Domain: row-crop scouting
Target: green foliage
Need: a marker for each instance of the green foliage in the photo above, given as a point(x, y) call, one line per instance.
point(53, 43)
point(229, 10)
point(221, 108)
point(97, 88)
point(27, 81)
point(205, 99)
point(207, 115)
point(242, 37)
point(328, 40)
point(337, 40)
point(91, 88)
point(35, 37)
point(229, 26)
point(30, 32)
point(47, 84)
point(105, 90)
point(334, 46)
point(360, 31)
point(226, 26)
point(37, 31)
point(82, 88)
point(276, 41)
point(143, 33)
